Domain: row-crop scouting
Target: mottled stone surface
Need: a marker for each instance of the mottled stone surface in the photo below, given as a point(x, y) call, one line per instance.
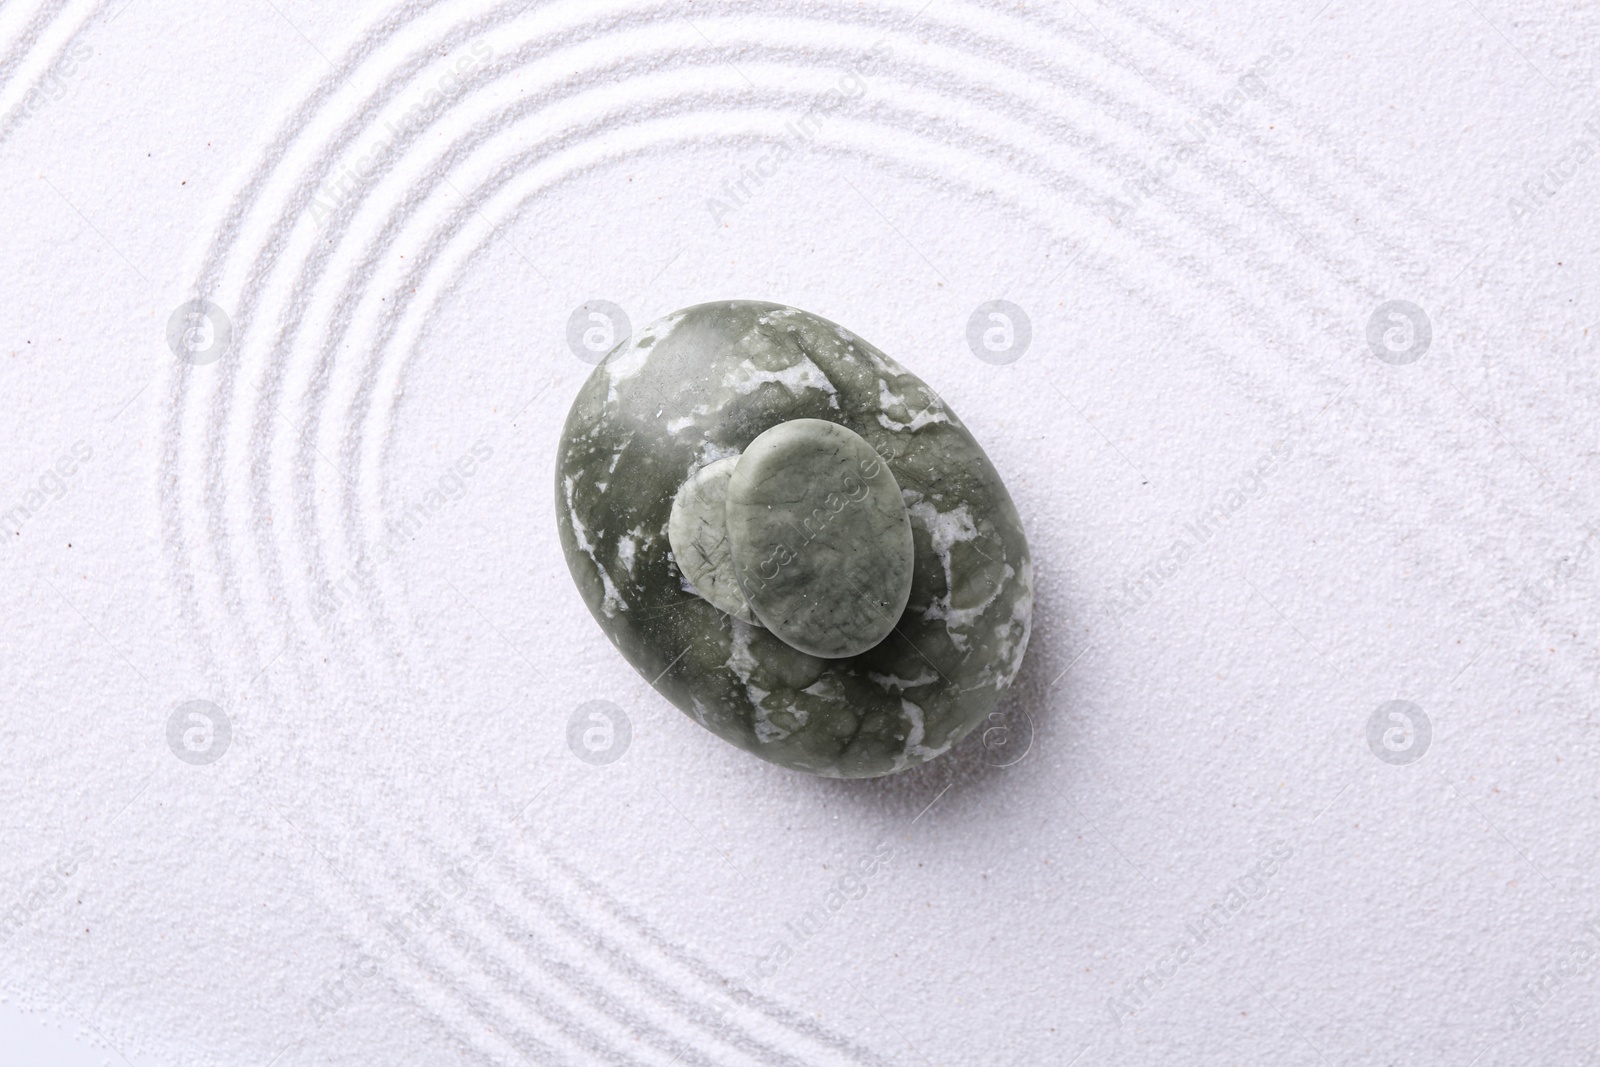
point(698, 532)
point(700, 385)
point(821, 542)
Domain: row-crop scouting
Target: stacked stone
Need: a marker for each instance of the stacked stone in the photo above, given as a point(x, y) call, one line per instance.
point(794, 539)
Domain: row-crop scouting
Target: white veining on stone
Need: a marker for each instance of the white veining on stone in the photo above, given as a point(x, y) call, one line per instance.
point(742, 662)
point(797, 378)
point(946, 529)
point(580, 533)
point(926, 415)
point(890, 681)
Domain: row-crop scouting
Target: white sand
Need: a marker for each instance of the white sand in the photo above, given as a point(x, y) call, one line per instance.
point(1249, 532)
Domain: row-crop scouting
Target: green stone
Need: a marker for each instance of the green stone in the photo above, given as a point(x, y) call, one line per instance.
point(701, 385)
point(821, 540)
point(697, 530)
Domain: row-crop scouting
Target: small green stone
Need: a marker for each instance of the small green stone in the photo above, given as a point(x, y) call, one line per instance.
point(698, 533)
point(821, 540)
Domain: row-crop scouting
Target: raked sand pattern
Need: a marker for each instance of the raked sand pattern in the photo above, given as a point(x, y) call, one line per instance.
point(43, 49)
point(406, 156)
point(273, 477)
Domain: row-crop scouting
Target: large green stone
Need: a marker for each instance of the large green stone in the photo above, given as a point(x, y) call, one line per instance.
point(701, 385)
